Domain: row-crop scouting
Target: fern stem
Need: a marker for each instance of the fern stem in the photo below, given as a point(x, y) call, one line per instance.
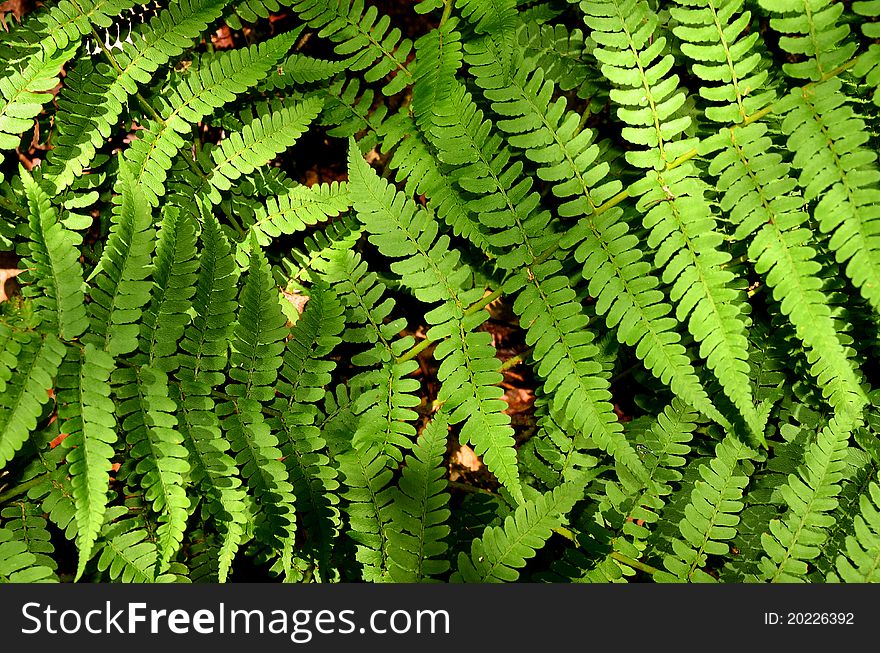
point(464, 487)
point(484, 302)
point(21, 488)
point(416, 350)
point(615, 555)
point(473, 308)
point(447, 12)
point(635, 564)
point(515, 360)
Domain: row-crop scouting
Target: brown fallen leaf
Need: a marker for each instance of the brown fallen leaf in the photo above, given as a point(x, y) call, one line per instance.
point(297, 300)
point(5, 275)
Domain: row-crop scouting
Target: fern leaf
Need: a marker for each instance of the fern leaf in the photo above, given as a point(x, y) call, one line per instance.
point(363, 37)
point(796, 539)
point(757, 194)
point(868, 64)
point(432, 271)
point(811, 30)
point(84, 121)
point(22, 401)
point(503, 550)
point(841, 173)
point(202, 90)
point(366, 476)
point(676, 211)
point(17, 564)
point(296, 210)
point(53, 255)
point(23, 92)
point(87, 415)
point(712, 515)
point(554, 139)
point(498, 21)
point(270, 131)
point(120, 289)
point(174, 273)
point(257, 344)
point(306, 370)
point(419, 510)
point(438, 58)
point(859, 562)
point(157, 454)
point(714, 37)
point(67, 21)
point(127, 554)
point(27, 524)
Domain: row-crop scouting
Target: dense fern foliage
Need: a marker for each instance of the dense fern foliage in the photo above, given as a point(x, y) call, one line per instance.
point(215, 367)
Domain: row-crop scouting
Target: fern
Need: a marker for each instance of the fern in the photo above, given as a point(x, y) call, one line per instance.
point(208, 87)
point(414, 551)
point(120, 289)
point(810, 494)
point(271, 290)
point(504, 549)
point(36, 365)
point(256, 356)
point(23, 93)
point(270, 131)
point(85, 124)
point(711, 516)
point(859, 560)
point(368, 43)
point(87, 412)
point(399, 230)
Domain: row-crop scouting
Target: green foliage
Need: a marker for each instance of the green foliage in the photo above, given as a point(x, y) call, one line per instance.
point(267, 294)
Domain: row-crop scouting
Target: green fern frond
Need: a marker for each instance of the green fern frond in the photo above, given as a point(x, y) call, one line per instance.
point(711, 517)
point(438, 58)
point(258, 340)
point(468, 370)
point(868, 64)
point(271, 130)
point(498, 21)
point(811, 30)
point(860, 561)
point(25, 521)
point(797, 539)
point(21, 404)
point(296, 210)
point(17, 564)
point(758, 197)
point(416, 543)
point(417, 165)
point(840, 173)
point(195, 95)
point(675, 209)
point(305, 372)
point(715, 37)
point(54, 264)
point(93, 100)
point(157, 456)
point(68, 21)
point(23, 92)
point(174, 276)
point(366, 475)
point(200, 373)
point(120, 288)
point(502, 550)
point(300, 69)
point(87, 415)
point(127, 553)
point(366, 39)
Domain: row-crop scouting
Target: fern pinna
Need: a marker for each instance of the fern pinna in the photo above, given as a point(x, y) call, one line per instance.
point(281, 266)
